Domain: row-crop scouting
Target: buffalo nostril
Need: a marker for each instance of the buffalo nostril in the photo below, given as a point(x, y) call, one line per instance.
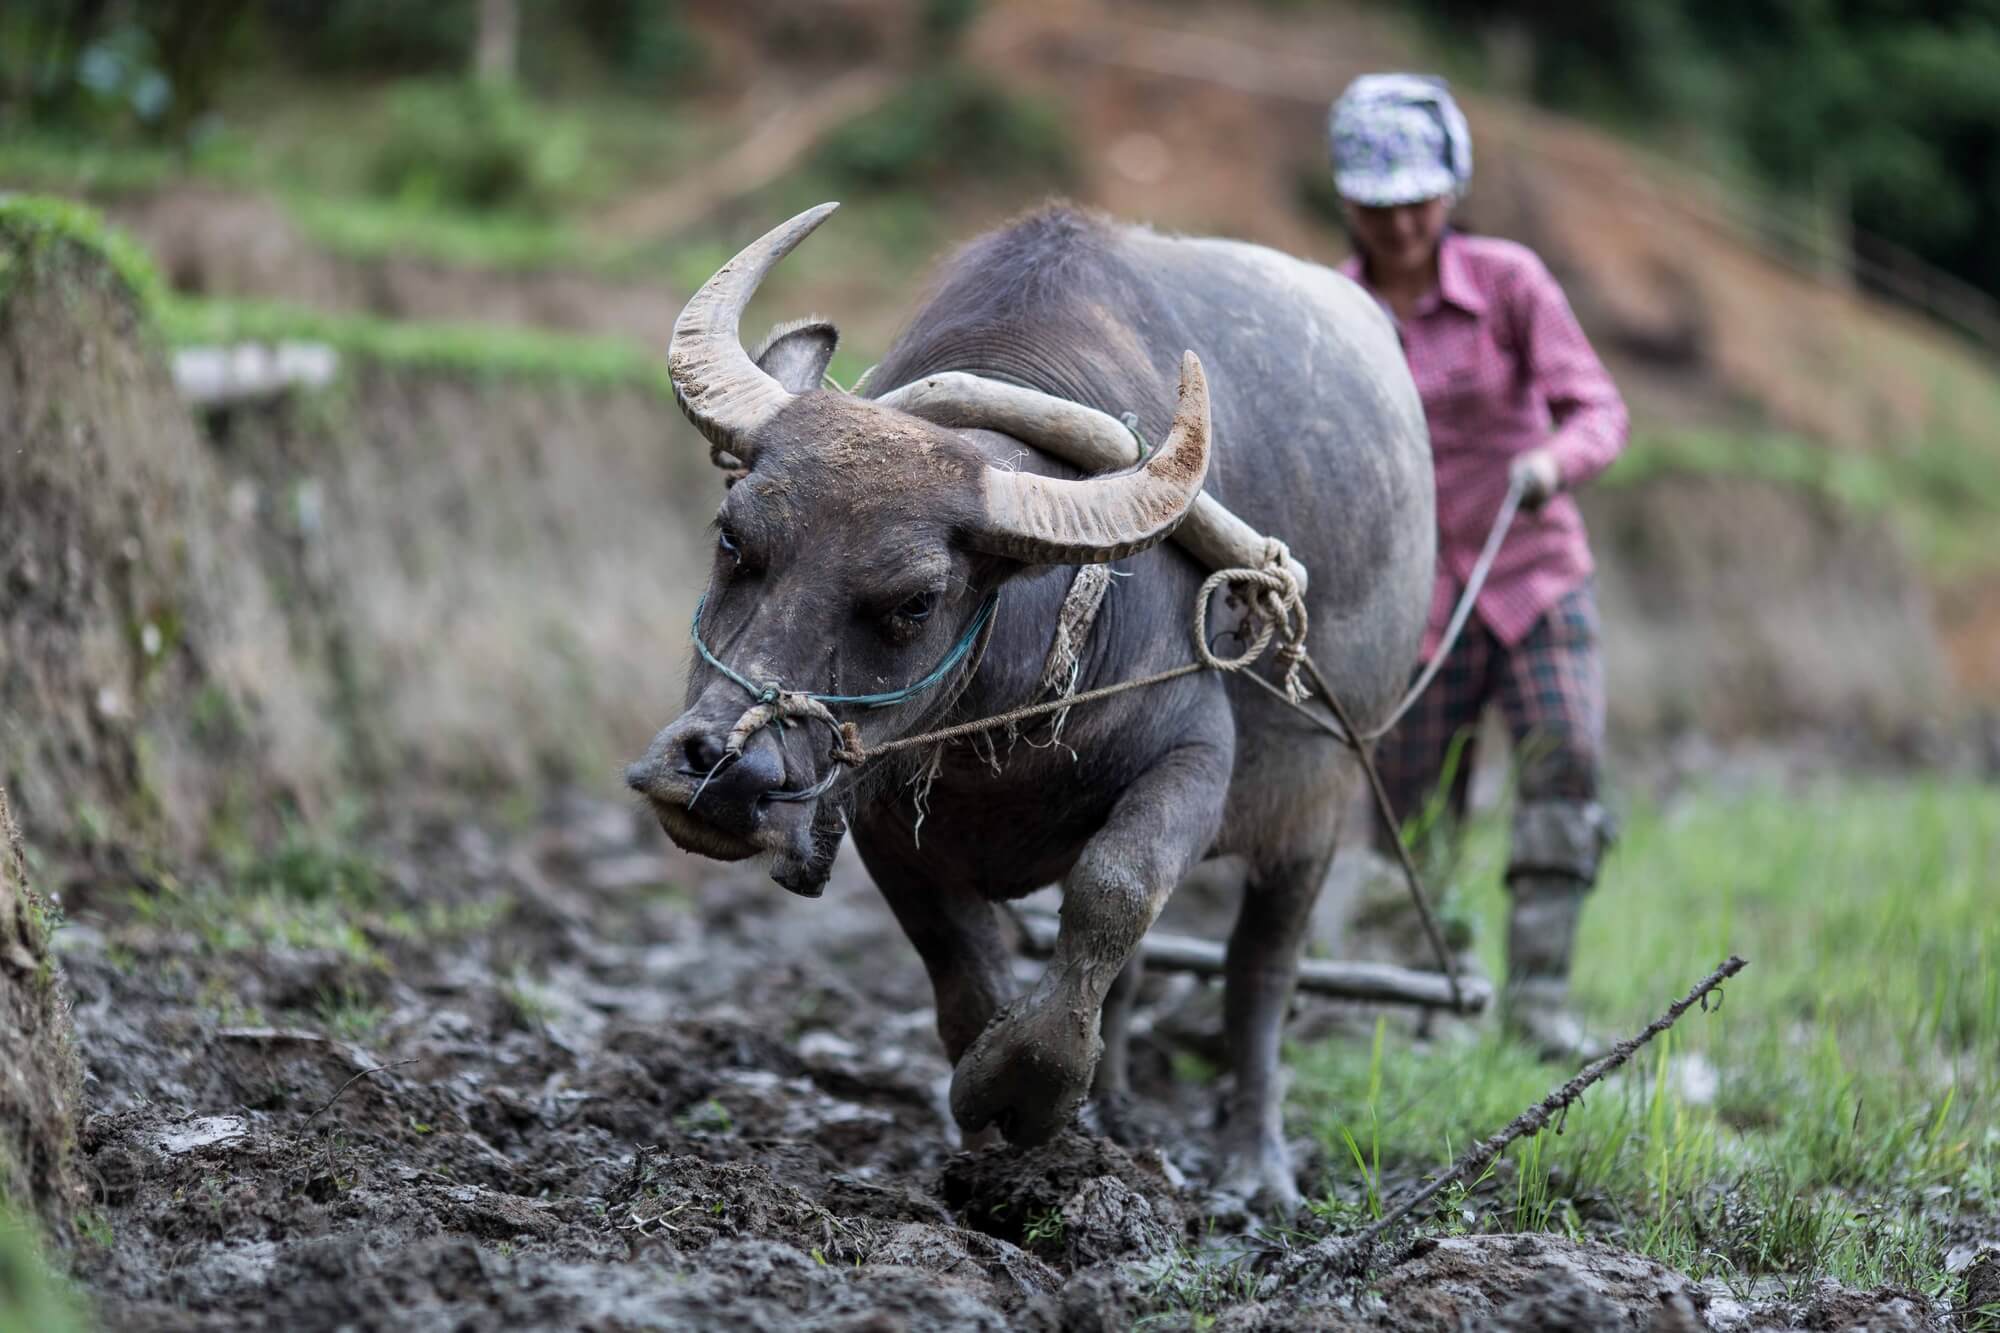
point(758, 772)
point(703, 752)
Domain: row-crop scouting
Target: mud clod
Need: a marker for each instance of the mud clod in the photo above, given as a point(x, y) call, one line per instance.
point(1835, 1309)
point(1108, 1219)
point(1981, 1306)
point(1518, 1283)
point(1078, 1195)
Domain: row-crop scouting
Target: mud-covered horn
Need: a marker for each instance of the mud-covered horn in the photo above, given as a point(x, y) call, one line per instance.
point(1046, 520)
point(716, 383)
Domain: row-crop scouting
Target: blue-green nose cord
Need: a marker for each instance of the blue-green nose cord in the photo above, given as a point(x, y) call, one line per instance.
point(769, 695)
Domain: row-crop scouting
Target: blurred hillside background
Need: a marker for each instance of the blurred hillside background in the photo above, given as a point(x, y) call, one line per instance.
point(1773, 218)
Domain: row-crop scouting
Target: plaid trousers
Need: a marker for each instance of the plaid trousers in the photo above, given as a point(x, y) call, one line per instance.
point(1550, 690)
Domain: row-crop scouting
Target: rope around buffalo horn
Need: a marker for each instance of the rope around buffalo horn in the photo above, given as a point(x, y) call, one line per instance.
point(1283, 610)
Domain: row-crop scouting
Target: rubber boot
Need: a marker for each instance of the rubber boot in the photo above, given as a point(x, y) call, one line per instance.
point(1541, 937)
point(1556, 848)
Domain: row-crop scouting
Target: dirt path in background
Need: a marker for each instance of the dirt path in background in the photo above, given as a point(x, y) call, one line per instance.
point(563, 1080)
point(774, 147)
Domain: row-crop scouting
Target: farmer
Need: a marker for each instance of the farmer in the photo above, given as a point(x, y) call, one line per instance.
point(1513, 394)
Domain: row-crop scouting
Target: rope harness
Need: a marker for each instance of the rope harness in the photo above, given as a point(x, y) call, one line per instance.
point(778, 705)
point(1279, 616)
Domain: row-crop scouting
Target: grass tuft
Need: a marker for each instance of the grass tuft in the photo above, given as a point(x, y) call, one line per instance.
point(32, 1294)
point(34, 227)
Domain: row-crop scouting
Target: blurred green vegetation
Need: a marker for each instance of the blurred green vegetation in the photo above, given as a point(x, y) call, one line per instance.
point(156, 68)
point(365, 227)
point(353, 111)
point(332, 161)
point(34, 228)
point(478, 349)
point(953, 124)
point(431, 162)
point(310, 888)
point(475, 145)
point(32, 1298)
point(1885, 117)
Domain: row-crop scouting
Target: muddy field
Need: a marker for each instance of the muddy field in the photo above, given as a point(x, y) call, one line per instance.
point(558, 1077)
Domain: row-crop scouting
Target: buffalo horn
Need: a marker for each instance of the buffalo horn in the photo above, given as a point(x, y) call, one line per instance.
point(716, 383)
point(1046, 520)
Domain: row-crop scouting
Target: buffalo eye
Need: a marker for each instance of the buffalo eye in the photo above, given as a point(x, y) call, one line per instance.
point(727, 541)
point(916, 610)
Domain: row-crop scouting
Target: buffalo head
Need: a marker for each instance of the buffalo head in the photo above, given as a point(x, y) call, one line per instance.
point(854, 548)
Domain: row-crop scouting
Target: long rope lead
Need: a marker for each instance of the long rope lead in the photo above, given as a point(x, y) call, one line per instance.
point(1503, 521)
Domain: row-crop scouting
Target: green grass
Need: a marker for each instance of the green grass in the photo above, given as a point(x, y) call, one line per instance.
point(344, 221)
point(318, 147)
point(348, 1015)
point(1850, 1132)
point(233, 919)
point(31, 161)
point(498, 351)
point(31, 1295)
point(316, 151)
point(312, 889)
point(489, 239)
point(35, 228)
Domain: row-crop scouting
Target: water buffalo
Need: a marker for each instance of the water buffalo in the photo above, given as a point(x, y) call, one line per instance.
point(857, 544)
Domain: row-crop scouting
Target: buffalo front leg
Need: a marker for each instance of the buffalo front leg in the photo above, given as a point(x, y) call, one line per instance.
point(957, 934)
point(1029, 1070)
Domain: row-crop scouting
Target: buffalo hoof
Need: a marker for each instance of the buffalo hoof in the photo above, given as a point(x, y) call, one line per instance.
point(1260, 1175)
point(1027, 1072)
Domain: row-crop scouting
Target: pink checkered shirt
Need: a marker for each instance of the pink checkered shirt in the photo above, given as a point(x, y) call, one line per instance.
point(1502, 367)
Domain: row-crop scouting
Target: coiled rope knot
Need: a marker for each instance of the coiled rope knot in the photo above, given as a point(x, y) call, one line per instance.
point(780, 706)
point(1277, 611)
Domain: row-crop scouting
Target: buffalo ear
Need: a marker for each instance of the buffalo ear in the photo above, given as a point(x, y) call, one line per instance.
point(797, 354)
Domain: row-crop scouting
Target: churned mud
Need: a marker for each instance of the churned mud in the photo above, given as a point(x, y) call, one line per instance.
point(562, 1078)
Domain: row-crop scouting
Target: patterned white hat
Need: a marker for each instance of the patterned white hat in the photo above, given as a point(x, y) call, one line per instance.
point(1399, 139)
